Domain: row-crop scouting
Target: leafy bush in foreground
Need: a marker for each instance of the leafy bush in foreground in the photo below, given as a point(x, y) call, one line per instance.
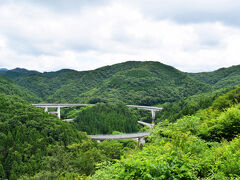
point(203, 146)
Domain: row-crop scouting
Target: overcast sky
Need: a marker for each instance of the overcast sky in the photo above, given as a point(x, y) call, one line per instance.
point(48, 35)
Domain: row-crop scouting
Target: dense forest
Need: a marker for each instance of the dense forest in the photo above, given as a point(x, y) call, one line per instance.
point(220, 78)
point(205, 145)
point(105, 118)
point(196, 135)
point(190, 105)
point(143, 83)
point(8, 87)
point(34, 143)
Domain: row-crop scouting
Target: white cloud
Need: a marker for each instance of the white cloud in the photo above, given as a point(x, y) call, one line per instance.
point(191, 11)
point(35, 37)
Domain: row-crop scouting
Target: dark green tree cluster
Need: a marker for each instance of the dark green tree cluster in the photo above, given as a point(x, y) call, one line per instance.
point(105, 118)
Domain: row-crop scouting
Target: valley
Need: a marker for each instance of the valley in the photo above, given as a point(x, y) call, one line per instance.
point(196, 134)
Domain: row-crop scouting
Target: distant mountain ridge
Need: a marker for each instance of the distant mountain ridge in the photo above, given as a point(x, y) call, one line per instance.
point(220, 78)
point(3, 69)
point(18, 72)
point(22, 70)
point(143, 83)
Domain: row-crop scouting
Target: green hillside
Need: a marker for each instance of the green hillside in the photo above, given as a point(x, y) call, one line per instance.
point(35, 143)
point(190, 105)
point(220, 78)
point(202, 145)
point(17, 72)
point(143, 83)
point(221, 81)
point(8, 87)
point(147, 83)
point(26, 136)
point(41, 84)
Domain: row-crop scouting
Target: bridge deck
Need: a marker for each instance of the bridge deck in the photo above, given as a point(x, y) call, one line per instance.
point(146, 107)
point(146, 124)
point(61, 105)
point(82, 105)
point(119, 136)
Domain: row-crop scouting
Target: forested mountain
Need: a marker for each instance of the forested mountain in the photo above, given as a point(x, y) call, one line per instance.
point(143, 83)
point(220, 78)
point(3, 70)
point(17, 72)
point(37, 145)
point(8, 87)
point(23, 71)
point(146, 83)
point(190, 105)
point(221, 81)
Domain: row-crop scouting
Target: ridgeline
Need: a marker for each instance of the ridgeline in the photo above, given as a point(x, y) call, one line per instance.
point(197, 135)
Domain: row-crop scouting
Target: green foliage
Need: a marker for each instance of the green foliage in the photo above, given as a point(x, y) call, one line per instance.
point(226, 125)
point(229, 99)
point(143, 83)
point(8, 87)
point(221, 78)
point(221, 81)
point(189, 106)
point(36, 145)
point(105, 118)
point(26, 134)
point(182, 156)
point(203, 146)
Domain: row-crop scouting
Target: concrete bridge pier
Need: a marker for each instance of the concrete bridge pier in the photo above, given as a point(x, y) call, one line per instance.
point(139, 142)
point(59, 112)
point(153, 115)
point(46, 109)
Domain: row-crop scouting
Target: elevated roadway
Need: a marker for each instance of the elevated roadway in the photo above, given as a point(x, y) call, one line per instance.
point(59, 106)
point(101, 137)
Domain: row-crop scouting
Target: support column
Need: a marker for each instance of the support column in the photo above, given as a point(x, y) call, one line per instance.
point(58, 112)
point(46, 109)
point(139, 142)
point(153, 115)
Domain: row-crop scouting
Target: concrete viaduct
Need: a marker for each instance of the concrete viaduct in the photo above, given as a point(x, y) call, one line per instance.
point(138, 136)
point(99, 137)
point(59, 106)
